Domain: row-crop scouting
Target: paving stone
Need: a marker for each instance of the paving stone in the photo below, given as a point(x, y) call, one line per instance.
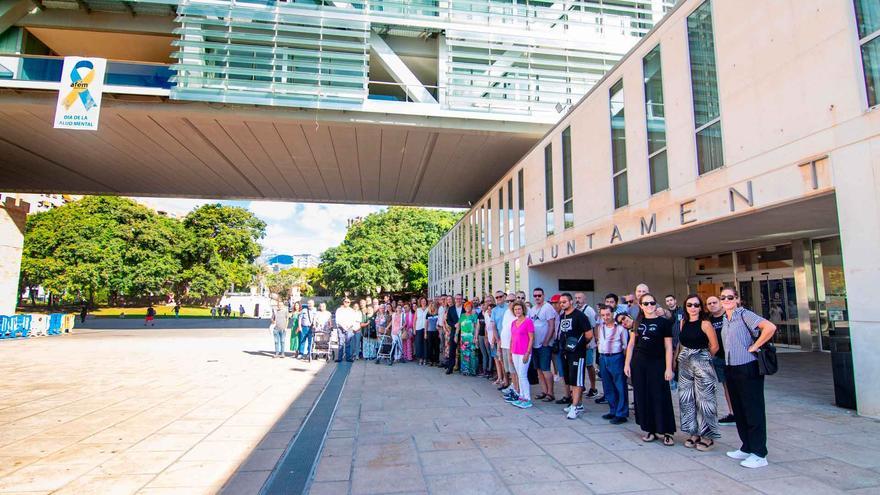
point(393, 479)
point(703, 481)
point(613, 477)
point(503, 445)
point(573, 454)
point(547, 436)
point(442, 441)
point(795, 485)
point(471, 483)
point(381, 456)
point(835, 473)
point(328, 488)
point(718, 461)
point(454, 462)
point(515, 469)
point(561, 487)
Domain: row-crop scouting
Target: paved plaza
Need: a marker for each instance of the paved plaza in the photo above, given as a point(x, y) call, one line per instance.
point(410, 429)
point(149, 411)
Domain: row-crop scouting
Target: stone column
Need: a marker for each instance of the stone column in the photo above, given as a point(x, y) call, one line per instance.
point(13, 214)
point(856, 172)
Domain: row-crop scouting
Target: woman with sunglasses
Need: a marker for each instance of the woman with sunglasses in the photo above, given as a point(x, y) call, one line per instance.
point(649, 364)
point(696, 376)
point(743, 333)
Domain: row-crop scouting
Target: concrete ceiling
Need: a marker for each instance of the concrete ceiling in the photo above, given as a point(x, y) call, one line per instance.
point(148, 146)
point(113, 46)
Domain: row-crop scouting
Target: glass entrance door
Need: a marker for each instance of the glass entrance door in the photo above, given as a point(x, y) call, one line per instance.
point(773, 297)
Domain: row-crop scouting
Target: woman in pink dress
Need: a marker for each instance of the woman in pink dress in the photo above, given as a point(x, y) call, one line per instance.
point(408, 320)
point(397, 321)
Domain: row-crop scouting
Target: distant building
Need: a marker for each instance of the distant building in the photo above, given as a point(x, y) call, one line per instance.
point(41, 202)
point(280, 262)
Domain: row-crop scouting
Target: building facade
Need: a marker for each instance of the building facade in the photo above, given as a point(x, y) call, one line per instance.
point(731, 146)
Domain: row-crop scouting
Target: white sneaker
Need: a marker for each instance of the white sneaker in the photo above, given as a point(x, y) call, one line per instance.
point(572, 413)
point(566, 408)
point(754, 461)
point(738, 455)
point(556, 378)
point(505, 391)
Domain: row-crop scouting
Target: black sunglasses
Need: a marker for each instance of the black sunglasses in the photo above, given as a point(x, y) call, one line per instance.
point(727, 298)
point(629, 301)
point(537, 295)
point(499, 297)
point(693, 305)
point(649, 303)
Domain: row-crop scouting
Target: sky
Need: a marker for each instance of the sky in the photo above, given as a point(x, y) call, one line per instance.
point(291, 228)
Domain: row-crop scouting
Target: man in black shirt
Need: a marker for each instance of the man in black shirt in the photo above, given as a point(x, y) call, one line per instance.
point(574, 333)
point(716, 318)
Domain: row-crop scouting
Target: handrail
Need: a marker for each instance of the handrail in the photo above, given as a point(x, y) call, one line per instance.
point(47, 69)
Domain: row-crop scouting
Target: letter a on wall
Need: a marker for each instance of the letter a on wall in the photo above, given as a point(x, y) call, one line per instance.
point(79, 95)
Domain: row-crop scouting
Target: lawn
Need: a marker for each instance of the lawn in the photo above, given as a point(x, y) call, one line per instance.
point(162, 311)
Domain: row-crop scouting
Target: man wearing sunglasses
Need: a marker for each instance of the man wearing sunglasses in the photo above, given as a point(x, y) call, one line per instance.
point(544, 318)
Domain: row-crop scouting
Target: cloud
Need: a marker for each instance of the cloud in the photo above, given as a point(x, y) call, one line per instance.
point(306, 227)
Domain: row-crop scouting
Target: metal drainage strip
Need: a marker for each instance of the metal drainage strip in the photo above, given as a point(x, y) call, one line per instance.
point(296, 467)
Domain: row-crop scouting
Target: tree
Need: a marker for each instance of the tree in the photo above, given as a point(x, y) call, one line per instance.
point(102, 242)
point(283, 282)
point(220, 250)
point(386, 251)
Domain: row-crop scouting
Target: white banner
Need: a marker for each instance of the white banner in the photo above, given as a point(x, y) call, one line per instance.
point(79, 96)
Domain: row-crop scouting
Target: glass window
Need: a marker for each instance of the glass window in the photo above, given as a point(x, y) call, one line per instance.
point(548, 188)
point(704, 85)
point(489, 226)
point(521, 202)
point(709, 156)
point(510, 224)
point(500, 221)
point(567, 199)
point(655, 121)
point(868, 20)
point(507, 276)
point(618, 145)
point(516, 280)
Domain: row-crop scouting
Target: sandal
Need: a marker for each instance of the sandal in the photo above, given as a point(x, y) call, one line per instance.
point(540, 396)
point(650, 437)
point(668, 440)
point(702, 446)
point(691, 442)
point(549, 398)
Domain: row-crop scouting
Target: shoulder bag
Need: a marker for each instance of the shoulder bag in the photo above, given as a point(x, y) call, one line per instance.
point(768, 364)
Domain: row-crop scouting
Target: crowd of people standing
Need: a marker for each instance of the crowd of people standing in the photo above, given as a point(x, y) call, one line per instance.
point(656, 348)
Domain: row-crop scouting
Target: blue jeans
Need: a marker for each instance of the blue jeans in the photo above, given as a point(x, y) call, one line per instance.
point(355, 344)
point(306, 339)
point(344, 342)
point(614, 384)
point(278, 335)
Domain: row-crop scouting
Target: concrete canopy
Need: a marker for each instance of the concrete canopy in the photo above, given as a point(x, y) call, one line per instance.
point(151, 146)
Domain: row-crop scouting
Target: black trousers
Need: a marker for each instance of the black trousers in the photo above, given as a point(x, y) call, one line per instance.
point(419, 344)
point(651, 395)
point(432, 347)
point(453, 355)
point(746, 387)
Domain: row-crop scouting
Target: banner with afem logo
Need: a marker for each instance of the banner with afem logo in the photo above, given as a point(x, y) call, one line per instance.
point(79, 96)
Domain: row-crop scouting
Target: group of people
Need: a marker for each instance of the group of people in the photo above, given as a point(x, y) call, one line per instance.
point(225, 311)
point(294, 328)
point(637, 340)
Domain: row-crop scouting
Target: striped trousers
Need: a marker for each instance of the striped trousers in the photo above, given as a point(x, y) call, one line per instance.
point(696, 393)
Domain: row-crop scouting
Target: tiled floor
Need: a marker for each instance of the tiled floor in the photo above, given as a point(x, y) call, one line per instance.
point(148, 411)
point(410, 429)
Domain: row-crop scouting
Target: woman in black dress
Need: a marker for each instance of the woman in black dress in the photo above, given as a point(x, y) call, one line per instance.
point(649, 365)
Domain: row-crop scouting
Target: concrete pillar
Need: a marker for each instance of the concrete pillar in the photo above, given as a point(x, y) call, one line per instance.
point(13, 214)
point(856, 172)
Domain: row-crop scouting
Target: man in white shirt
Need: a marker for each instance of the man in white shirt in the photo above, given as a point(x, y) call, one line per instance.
point(590, 360)
point(347, 320)
point(441, 327)
point(613, 339)
point(544, 318)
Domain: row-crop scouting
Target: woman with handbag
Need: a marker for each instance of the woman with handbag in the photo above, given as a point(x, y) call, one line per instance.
point(407, 334)
point(745, 334)
point(698, 406)
point(649, 364)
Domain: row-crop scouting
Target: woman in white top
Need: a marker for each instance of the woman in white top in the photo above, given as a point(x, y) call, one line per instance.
point(421, 322)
